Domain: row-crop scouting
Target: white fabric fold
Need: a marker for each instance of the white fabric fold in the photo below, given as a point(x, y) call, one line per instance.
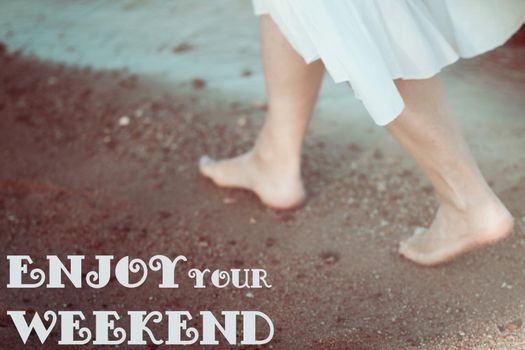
point(370, 43)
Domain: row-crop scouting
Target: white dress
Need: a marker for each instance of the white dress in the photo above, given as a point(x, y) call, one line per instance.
point(369, 43)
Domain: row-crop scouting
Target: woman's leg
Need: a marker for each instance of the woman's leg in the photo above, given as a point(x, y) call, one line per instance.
point(470, 215)
point(272, 169)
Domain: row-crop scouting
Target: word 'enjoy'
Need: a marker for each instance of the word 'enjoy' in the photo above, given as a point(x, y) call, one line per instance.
point(19, 266)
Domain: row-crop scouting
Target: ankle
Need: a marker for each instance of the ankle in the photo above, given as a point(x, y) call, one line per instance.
point(270, 156)
point(486, 209)
point(472, 196)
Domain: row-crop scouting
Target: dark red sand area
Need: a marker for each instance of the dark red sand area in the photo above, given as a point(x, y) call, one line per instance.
point(75, 181)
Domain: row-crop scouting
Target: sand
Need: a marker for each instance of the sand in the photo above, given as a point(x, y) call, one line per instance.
point(104, 162)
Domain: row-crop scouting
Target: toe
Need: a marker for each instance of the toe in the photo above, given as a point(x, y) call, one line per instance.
point(406, 245)
point(205, 160)
point(406, 248)
point(402, 247)
point(405, 252)
point(419, 230)
point(205, 163)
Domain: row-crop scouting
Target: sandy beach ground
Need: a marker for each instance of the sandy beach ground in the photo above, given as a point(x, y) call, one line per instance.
point(97, 160)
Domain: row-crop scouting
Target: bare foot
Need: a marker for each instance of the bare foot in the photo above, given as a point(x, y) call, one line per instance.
point(278, 186)
point(455, 232)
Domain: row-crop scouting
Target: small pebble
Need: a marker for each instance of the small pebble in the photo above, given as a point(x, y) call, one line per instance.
point(52, 80)
point(381, 186)
point(229, 200)
point(330, 258)
point(511, 326)
point(378, 154)
point(183, 47)
point(242, 121)
point(123, 121)
point(198, 83)
point(506, 285)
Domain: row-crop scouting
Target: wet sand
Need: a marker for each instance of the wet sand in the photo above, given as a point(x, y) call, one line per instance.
point(76, 178)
